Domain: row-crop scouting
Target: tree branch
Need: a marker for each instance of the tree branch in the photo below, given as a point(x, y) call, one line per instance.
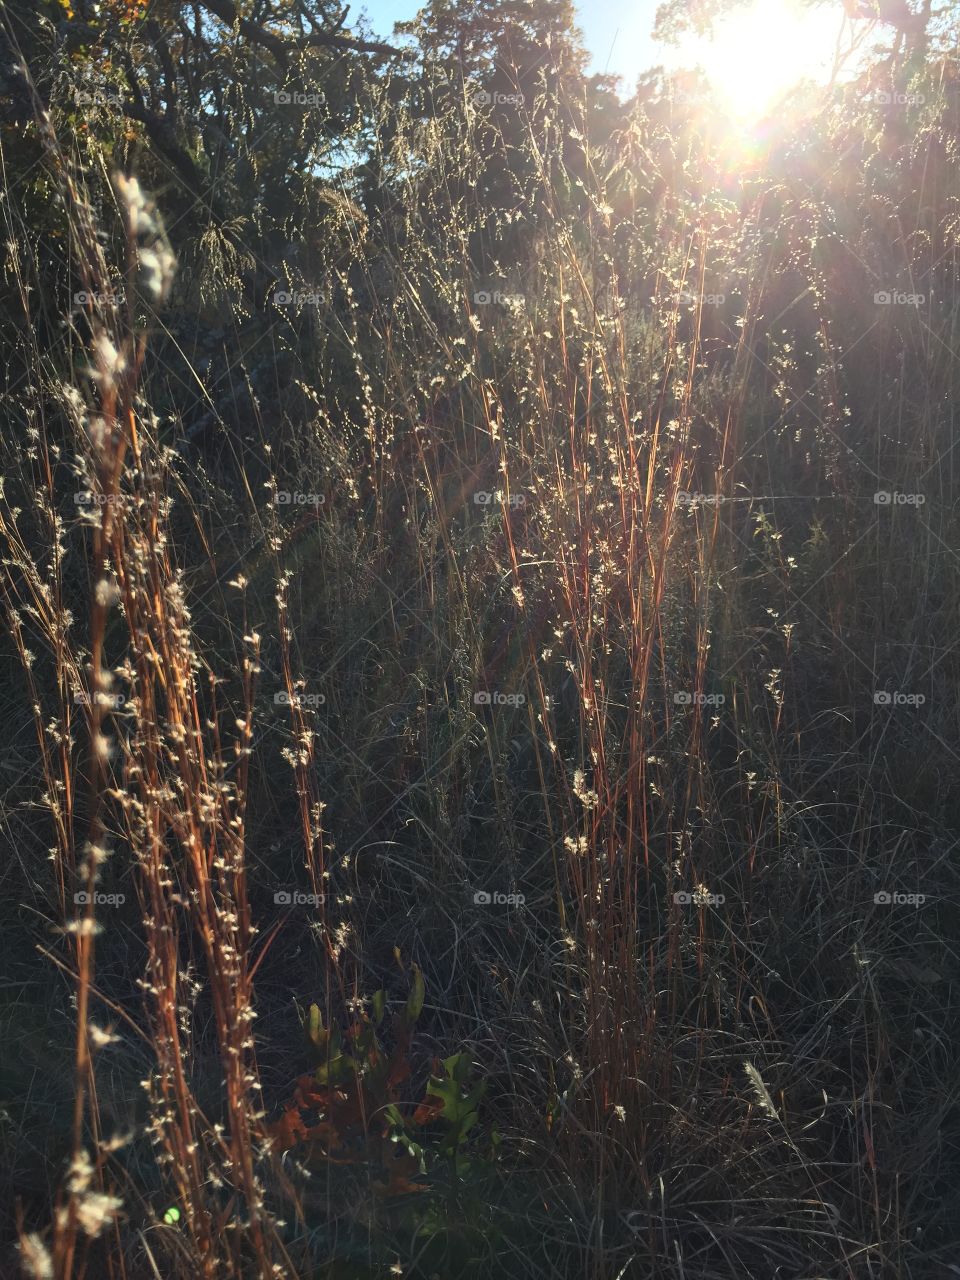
point(164, 138)
point(280, 47)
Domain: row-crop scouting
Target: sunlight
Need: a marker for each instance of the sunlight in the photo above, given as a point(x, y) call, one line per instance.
point(760, 53)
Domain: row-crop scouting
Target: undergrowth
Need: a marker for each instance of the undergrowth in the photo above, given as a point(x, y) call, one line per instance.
point(479, 782)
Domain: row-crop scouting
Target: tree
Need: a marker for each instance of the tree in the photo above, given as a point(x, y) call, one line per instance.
point(511, 78)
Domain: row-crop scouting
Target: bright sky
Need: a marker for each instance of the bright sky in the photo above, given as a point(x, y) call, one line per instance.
point(617, 33)
point(760, 52)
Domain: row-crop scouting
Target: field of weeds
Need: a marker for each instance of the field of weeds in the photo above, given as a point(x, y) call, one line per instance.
point(480, 573)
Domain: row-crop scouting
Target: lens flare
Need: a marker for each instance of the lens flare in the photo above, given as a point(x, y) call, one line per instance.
point(758, 54)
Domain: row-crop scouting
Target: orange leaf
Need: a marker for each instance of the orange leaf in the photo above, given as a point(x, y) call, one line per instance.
point(428, 1110)
point(288, 1130)
point(399, 1069)
point(310, 1094)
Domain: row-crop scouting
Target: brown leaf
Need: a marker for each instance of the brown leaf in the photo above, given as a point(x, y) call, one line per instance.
point(288, 1130)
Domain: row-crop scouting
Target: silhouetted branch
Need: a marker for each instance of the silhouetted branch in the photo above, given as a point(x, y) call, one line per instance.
point(282, 47)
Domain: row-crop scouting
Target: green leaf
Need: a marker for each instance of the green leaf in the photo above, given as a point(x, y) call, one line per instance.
point(314, 1025)
point(457, 1067)
point(336, 1067)
point(365, 1041)
point(459, 1101)
point(415, 998)
point(393, 1115)
point(339, 1068)
point(326, 1043)
point(379, 1006)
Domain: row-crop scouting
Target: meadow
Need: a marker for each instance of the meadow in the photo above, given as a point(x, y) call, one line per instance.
point(479, 571)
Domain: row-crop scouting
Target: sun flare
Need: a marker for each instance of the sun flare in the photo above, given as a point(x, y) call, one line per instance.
point(759, 53)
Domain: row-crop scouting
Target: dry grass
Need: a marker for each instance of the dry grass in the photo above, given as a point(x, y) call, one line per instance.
point(707, 1050)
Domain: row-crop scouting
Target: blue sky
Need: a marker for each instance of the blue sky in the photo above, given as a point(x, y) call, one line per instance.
point(616, 32)
point(755, 58)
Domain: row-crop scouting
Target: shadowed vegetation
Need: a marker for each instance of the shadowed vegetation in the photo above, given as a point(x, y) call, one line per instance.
point(480, 579)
